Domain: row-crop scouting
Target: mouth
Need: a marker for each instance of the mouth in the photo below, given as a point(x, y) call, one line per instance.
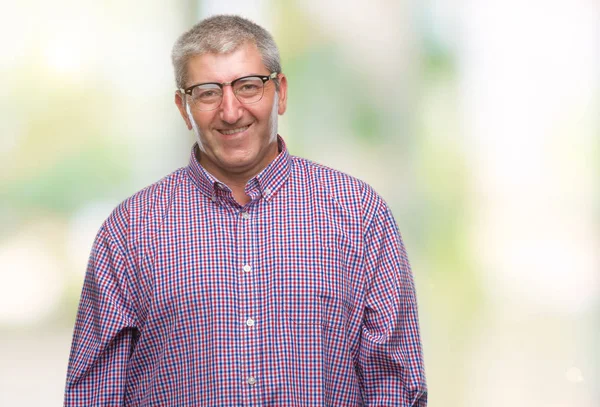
point(234, 131)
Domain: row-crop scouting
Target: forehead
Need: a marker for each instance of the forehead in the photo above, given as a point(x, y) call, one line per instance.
point(211, 67)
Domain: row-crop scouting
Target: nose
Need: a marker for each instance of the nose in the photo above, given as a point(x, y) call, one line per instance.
point(231, 109)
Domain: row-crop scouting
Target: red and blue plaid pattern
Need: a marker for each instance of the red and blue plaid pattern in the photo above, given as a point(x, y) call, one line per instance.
point(303, 297)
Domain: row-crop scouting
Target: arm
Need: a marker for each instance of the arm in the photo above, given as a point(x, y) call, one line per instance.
point(104, 331)
point(390, 362)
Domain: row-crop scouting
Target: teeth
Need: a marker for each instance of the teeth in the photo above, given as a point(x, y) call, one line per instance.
point(233, 131)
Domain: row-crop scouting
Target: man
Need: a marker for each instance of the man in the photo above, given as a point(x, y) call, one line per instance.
point(250, 277)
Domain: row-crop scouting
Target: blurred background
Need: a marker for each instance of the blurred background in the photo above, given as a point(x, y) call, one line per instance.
point(476, 120)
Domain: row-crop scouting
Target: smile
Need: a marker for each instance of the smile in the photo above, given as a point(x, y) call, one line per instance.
point(234, 131)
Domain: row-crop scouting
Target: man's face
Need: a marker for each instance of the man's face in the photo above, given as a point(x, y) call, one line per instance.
point(235, 139)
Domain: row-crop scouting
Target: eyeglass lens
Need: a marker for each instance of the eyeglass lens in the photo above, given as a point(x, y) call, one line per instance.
point(246, 90)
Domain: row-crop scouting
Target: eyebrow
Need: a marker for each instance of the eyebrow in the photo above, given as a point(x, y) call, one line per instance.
point(237, 77)
point(220, 83)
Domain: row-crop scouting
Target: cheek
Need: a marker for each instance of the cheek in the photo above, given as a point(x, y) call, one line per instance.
point(264, 114)
point(203, 121)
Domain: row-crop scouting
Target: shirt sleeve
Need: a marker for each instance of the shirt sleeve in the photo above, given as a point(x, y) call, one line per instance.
point(390, 362)
point(104, 331)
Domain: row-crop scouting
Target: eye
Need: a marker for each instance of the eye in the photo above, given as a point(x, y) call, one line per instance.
point(248, 86)
point(206, 93)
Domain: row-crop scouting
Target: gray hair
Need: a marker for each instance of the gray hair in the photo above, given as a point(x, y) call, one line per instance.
point(222, 34)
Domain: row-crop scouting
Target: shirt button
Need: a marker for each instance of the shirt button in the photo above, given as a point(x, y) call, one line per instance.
point(250, 322)
point(245, 215)
point(266, 191)
point(213, 198)
point(251, 381)
point(247, 268)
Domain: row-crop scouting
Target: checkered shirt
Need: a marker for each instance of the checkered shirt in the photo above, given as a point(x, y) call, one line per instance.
point(302, 297)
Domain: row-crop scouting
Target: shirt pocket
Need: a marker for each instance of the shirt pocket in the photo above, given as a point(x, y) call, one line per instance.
point(309, 300)
point(312, 289)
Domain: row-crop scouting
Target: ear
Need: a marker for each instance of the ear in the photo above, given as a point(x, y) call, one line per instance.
point(282, 93)
point(180, 102)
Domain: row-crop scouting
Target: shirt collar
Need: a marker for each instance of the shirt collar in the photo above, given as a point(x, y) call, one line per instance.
point(267, 182)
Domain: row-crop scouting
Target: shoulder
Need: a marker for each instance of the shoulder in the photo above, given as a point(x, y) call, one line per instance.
point(349, 191)
point(144, 204)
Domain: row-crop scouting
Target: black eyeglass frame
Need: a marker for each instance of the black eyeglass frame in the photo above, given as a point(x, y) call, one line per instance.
point(263, 78)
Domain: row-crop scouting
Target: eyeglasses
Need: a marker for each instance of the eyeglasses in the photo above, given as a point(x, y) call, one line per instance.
point(247, 89)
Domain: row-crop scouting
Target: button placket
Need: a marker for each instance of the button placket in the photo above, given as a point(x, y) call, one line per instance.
point(247, 299)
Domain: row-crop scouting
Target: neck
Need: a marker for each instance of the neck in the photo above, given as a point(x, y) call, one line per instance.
point(239, 193)
point(237, 180)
